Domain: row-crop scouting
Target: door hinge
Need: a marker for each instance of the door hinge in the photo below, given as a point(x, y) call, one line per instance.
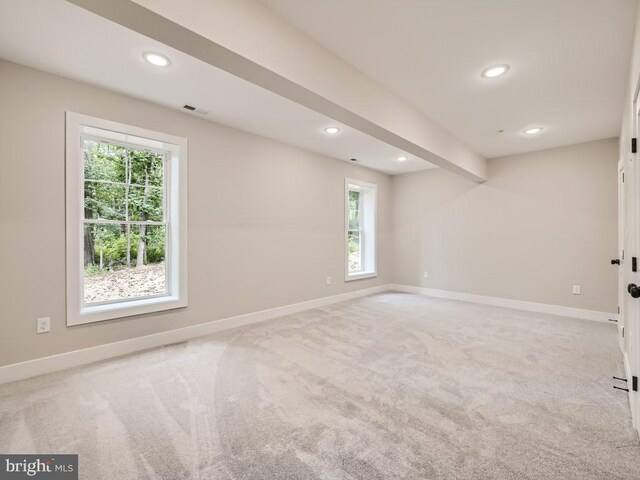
point(633, 145)
point(622, 177)
point(634, 264)
point(634, 384)
point(618, 310)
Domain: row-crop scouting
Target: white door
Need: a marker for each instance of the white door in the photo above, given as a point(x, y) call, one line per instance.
point(622, 240)
point(631, 305)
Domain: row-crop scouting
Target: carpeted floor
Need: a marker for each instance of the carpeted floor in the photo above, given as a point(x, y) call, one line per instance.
point(389, 386)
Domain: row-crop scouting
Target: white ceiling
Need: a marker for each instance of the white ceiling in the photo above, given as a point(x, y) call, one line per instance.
point(61, 38)
point(569, 62)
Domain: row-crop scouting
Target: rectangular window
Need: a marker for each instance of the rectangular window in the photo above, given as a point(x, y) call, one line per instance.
point(360, 213)
point(126, 220)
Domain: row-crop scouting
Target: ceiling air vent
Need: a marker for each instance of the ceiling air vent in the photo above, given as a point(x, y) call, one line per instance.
point(195, 109)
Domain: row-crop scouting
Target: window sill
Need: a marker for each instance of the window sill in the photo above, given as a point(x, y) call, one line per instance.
point(360, 276)
point(99, 313)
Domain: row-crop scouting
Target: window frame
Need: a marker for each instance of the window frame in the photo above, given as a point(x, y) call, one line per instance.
point(80, 127)
point(367, 228)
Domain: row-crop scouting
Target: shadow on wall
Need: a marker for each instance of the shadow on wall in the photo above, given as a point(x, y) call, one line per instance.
point(544, 221)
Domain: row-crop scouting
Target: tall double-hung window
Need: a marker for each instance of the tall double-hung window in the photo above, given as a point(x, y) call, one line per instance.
point(360, 226)
point(126, 220)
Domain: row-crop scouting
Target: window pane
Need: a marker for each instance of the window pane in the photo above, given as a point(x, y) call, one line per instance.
point(123, 183)
point(354, 210)
point(146, 167)
point(147, 178)
point(104, 200)
point(122, 262)
point(104, 161)
point(355, 249)
point(146, 204)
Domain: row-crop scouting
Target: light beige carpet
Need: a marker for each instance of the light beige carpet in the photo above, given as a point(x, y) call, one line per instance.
point(389, 386)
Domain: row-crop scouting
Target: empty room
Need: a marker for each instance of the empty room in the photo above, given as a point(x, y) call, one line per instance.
point(337, 239)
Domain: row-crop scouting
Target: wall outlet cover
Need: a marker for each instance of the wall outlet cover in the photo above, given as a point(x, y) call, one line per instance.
point(576, 290)
point(43, 325)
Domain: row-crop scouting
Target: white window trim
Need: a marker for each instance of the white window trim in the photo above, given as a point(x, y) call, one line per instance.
point(371, 203)
point(177, 182)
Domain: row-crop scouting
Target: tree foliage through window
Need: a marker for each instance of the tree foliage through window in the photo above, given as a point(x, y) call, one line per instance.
point(355, 231)
point(123, 207)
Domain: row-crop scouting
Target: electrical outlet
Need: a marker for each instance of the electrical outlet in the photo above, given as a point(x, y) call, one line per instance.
point(328, 280)
point(426, 274)
point(576, 290)
point(43, 325)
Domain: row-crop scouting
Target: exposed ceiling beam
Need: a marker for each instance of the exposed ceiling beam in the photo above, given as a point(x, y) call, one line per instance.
point(421, 138)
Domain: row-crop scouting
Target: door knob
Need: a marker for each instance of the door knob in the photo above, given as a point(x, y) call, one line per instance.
point(615, 261)
point(634, 290)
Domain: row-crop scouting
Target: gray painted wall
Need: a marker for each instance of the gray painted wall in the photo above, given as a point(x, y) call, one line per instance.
point(544, 221)
point(266, 220)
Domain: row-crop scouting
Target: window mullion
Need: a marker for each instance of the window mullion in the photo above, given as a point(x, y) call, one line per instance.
point(100, 221)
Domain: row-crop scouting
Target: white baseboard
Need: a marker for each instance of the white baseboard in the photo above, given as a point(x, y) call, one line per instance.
point(509, 303)
point(53, 363)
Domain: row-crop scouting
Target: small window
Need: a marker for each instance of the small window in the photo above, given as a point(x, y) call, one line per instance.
point(126, 220)
point(360, 212)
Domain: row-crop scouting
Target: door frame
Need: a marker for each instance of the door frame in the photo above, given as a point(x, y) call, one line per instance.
point(630, 307)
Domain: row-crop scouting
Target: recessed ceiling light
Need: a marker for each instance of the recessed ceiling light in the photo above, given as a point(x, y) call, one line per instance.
point(493, 72)
point(332, 130)
point(533, 130)
point(157, 59)
point(402, 158)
